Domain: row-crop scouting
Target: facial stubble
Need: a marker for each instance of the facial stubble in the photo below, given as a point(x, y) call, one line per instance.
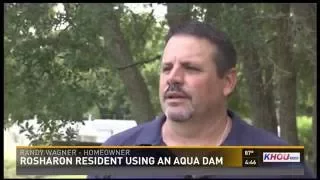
point(179, 113)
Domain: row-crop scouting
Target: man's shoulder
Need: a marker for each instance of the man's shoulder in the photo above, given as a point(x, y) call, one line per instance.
point(135, 135)
point(251, 135)
point(254, 136)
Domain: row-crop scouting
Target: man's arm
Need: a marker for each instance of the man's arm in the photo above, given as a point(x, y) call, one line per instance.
point(308, 172)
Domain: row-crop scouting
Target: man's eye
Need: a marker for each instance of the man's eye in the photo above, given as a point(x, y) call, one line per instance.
point(192, 68)
point(166, 69)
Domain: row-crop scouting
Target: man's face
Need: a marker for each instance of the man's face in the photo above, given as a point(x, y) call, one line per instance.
point(188, 63)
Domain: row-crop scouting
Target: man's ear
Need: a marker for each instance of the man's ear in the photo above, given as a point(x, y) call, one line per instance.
point(230, 81)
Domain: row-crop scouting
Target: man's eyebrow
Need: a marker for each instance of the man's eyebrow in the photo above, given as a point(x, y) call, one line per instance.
point(166, 63)
point(183, 62)
point(187, 64)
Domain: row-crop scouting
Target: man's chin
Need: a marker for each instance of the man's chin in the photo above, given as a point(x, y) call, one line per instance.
point(178, 116)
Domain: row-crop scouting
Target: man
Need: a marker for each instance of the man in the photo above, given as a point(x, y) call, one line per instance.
point(197, 76)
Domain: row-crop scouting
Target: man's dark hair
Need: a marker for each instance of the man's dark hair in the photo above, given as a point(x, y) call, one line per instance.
point(226, 56)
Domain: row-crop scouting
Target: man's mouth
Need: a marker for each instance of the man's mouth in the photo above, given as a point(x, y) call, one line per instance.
point(174, 95)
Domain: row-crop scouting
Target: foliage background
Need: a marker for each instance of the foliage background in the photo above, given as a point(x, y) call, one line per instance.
point(65, 61)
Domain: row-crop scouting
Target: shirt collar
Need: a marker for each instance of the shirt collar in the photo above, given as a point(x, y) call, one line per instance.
point(151, 132)
point(234, 132)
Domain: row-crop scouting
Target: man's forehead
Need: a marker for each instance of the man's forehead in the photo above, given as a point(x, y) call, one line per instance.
point(189, 58)
point(190, 49)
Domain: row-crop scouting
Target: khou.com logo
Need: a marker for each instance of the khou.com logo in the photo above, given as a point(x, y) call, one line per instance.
point(281, 157)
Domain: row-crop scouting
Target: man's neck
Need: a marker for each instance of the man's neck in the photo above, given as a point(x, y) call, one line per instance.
point(200, 131)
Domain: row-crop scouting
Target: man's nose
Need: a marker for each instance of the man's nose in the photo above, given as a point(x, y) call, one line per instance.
point(176, 76)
